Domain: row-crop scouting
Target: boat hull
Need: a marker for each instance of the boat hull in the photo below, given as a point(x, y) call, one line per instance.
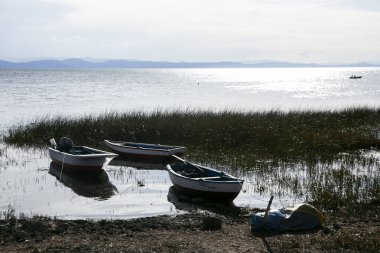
point(144, 150)
point(223, 188)
point(90, 162)
point(213, 196)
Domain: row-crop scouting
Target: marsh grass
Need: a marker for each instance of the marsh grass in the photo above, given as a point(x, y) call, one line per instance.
point(8, 214)
point(347, 181)
point(300, 153)
point(233, 135)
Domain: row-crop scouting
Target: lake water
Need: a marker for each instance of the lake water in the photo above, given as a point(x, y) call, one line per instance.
point(30, 185)
point(27, 94)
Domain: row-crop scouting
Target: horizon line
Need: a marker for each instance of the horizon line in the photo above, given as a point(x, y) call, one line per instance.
point(132, 63)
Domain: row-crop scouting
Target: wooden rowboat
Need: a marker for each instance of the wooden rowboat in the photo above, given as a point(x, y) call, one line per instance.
point(199, 181)
point(79, 157)
point(144, 150)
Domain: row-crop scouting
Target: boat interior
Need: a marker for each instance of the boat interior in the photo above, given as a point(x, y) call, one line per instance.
point(198, 172)
point(147, 146)
point(66, 145)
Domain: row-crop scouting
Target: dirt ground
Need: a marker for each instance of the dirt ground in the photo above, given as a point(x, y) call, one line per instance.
point(190, 232)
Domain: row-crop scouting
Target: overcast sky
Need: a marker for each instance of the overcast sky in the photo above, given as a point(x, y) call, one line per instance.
point(319, 31)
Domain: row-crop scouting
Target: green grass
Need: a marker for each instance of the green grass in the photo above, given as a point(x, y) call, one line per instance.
point(271, 134)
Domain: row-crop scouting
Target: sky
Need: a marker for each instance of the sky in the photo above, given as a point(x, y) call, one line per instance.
point(305, 31)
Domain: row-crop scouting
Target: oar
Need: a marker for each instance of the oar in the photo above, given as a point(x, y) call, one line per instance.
point(179, 158)
point(184, 161)
point(265, 219)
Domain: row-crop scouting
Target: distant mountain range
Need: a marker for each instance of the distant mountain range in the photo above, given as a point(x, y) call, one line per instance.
point(80, 63)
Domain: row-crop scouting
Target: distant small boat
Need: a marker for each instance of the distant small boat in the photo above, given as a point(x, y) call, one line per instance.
point(78, 157)
point(144, 150)
point(199, 181)
point(355, 77)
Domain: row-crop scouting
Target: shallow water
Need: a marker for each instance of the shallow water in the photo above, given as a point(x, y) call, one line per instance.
point(31, 185)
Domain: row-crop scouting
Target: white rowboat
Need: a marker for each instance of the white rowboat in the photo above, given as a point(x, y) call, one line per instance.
point(199, 181)
point(79, 157)
point(143, 149)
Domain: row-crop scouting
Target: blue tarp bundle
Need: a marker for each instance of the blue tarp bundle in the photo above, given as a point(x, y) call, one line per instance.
point(300, 217)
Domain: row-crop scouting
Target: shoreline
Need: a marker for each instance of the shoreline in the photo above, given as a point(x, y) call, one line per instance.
point(332, 182)
point(186, 233)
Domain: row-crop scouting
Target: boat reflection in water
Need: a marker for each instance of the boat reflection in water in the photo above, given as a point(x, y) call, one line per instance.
point(90, 185)
point(186, 203)
point(138, 163)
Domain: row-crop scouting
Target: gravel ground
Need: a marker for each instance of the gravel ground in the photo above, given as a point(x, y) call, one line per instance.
point(196, 231)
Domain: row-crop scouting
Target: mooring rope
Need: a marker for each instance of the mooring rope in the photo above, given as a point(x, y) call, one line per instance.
point(63, 161)
point(96, 141)
point(252, 194)
point(266, 201)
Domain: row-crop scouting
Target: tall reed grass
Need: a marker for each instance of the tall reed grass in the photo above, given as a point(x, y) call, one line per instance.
point(234, 134)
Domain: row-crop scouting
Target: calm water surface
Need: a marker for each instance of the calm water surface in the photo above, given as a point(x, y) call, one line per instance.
point(30, 185)
point(27, 94)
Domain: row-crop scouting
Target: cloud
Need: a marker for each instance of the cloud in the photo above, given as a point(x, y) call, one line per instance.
point(198, 30)
point(30, 12)
point(70, 39)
